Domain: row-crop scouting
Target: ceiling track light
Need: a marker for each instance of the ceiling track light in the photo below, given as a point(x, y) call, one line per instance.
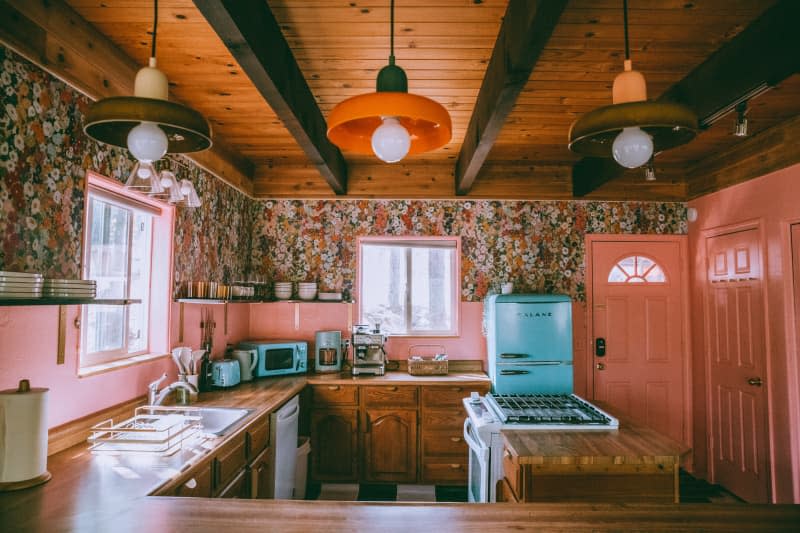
point(632, 128)
point(740, 128)
point(148, 124)
point(390, 123)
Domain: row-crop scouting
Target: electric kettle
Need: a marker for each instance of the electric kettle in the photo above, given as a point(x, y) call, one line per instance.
point(248, 359)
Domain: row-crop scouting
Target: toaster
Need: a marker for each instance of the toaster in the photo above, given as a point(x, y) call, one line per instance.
point(225, 373)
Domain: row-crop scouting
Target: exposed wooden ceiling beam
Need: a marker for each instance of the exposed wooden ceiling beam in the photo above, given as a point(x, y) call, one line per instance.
point(526, 28)
point(53, 36)
point(759, 57)
point(249, 30)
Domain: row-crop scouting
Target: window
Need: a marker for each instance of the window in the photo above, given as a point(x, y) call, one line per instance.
point(409, 286)
point(636, 269)
point(119, 255)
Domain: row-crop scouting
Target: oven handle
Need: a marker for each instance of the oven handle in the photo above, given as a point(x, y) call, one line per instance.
point(471, 442)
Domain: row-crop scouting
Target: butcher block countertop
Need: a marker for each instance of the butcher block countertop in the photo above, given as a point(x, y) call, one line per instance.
point(399, 378)
point(631, 444)
point(101, 493)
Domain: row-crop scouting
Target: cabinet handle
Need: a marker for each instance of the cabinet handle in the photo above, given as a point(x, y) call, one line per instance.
point(191, 484)
point(455, 439)
point(333, 387)
point(457, 389)
point(455, 466)
point(393, 389)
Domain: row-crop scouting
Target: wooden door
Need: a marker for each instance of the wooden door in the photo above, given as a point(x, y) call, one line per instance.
point(638, 291)
point(334, 444)
point(390, 445)
point(736, 364)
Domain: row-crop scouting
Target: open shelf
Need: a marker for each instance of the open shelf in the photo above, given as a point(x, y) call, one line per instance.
point(213, 301)
point(64, 301)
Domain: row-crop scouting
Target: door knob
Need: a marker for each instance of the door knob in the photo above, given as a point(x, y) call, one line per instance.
point(601, 366)
point(756, 382)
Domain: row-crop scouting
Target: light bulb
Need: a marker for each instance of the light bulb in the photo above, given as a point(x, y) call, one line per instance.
point(167, 179)
point(632, 148)
point(186, 187)
point(390, 141)
point(147, 142)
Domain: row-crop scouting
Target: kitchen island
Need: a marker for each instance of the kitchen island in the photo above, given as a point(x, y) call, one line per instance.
point(107, 493)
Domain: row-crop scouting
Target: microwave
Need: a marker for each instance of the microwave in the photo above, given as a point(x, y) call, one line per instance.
point(278, 357)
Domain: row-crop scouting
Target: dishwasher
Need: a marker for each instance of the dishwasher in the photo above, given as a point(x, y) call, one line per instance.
point(283, 436)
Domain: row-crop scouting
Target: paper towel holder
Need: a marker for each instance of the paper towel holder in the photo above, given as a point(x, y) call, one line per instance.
point(7, 486)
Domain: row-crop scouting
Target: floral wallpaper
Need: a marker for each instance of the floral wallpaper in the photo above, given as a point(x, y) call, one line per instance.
point(539, 245)
point(44, 156)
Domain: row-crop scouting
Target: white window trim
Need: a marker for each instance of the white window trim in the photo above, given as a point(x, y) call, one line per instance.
point(427, 242)
point(158, 336)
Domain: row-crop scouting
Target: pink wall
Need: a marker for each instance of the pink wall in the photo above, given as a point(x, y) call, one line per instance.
point(774, 202)
point(28, 347)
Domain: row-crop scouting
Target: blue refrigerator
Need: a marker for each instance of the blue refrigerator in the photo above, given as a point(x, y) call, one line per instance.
point(529, 343)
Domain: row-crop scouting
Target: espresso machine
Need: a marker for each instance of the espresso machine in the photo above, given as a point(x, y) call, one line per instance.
point(369, 357)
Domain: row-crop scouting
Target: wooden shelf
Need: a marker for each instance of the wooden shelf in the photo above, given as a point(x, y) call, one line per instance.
point(64, 301)
point(214, 301)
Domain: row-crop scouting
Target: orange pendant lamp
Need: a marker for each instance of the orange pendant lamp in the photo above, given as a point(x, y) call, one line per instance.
point(390, 123)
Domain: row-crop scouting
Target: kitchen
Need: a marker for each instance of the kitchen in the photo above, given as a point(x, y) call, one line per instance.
point(284, 220)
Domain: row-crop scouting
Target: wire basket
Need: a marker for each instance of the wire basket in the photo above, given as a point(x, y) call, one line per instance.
point(419, 365)
point(151, 430)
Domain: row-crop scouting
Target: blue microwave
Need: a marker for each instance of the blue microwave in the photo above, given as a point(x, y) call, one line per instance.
point(278, 357)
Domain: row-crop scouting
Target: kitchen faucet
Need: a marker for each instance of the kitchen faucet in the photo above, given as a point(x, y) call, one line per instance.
point(156, 397)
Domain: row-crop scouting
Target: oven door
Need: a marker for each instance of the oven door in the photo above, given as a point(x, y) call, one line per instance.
point(479, 454)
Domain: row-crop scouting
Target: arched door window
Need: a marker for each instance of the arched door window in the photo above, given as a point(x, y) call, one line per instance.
point(636, 269)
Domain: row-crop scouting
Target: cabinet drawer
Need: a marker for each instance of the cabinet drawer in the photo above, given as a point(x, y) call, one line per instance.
point(230, 459)
point(324, 395)
point(445, 396)
point(443, 443)
point(444, 419)
point(390, 395)
point(257, 437)
point(197, 483)
point(438, 471)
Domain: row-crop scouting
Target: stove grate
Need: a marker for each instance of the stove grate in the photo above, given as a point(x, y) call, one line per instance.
point(547, 409)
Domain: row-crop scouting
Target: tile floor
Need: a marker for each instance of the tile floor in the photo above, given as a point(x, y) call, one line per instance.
point(693, 490)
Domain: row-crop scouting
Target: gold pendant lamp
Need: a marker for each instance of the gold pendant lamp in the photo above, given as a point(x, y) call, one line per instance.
point(632, 129)
point(390, 123)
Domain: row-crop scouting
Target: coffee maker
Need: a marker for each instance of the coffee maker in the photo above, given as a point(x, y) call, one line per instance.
point(369, 357)
point(328, 351)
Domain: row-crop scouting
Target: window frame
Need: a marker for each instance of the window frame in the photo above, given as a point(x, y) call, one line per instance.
point(162, 218)
point(644, 281)
point(425, 242)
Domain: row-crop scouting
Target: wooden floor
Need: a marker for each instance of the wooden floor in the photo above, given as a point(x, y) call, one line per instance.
point(693, 490)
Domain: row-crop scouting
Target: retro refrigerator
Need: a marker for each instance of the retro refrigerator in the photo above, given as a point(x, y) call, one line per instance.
point(529, 343)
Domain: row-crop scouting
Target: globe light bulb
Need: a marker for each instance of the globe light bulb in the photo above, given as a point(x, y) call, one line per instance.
point(390, 141)
point(632, 148)
point(147, 142)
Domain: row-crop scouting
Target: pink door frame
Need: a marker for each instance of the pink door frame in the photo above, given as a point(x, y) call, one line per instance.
point(791, 284)
point(683, 243)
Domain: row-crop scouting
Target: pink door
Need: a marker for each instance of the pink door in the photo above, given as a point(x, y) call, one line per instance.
point(638, 312)
point(736, 364)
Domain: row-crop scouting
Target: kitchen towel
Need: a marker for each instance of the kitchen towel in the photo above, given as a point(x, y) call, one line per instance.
point(23, 435)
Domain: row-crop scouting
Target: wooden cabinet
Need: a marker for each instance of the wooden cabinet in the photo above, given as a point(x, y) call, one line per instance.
point(260, 475)
point(229, 461)
point(257, 436)
point(239, 487)
point(197, 483)
point(390, 445)
point(444, 454)
point(390, 433)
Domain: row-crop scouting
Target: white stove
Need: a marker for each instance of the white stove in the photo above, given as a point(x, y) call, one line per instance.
point(490, 414)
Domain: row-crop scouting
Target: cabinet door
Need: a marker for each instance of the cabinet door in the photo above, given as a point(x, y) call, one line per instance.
point(238, 488)
point(197, 484)
point(390, 445)
point(334, 444)
point(260, 474)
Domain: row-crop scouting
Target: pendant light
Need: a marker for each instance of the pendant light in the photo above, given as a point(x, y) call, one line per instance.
point(390, 123)
point(148, 124)
point(632, 129)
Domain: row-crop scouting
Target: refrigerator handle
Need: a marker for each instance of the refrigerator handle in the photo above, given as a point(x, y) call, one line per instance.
point(514, 372)
point(513, 355)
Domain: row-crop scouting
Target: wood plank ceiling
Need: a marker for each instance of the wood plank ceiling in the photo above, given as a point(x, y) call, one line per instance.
point(444, 47)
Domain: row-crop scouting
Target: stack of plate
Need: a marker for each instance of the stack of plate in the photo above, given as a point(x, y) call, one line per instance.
point(20, 285)
point(307, 290)
point(70, 288)
point(283, 290)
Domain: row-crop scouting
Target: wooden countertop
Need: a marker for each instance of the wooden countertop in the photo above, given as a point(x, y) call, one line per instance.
point(632, 443)
point(399, 378)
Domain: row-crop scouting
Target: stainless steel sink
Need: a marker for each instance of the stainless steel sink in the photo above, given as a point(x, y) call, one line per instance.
point(219, 420)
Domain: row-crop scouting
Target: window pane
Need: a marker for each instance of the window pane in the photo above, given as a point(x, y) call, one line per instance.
point(383, 282)
point(139, 281)
point(431, 286)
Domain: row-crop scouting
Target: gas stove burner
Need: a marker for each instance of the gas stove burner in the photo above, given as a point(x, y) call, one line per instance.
point(557, 409)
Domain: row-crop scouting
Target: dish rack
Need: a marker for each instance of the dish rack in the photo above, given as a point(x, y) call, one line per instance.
point(151, 430)
point(418, 365)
